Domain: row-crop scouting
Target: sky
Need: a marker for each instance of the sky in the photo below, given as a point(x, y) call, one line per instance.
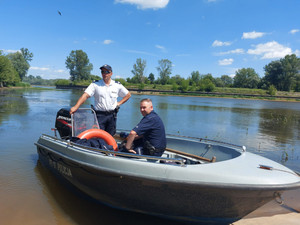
point(210, 36)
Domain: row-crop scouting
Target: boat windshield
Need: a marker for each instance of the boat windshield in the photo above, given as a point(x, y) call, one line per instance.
point(84, 119)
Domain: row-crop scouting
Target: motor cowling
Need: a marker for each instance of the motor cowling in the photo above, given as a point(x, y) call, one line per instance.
point(63, 123)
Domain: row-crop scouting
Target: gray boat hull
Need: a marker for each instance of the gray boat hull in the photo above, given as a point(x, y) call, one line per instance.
point(156, 194)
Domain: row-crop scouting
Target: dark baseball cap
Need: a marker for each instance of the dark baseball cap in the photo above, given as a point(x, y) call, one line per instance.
point(107, 67)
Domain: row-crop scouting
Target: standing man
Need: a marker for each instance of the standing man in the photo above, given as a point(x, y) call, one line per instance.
point(106, 93)
point(150, 129)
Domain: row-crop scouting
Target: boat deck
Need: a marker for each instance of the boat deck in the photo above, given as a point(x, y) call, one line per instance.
point(275, 214)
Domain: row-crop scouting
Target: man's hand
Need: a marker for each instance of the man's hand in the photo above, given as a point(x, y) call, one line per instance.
point(132, 151)
point(73, 109)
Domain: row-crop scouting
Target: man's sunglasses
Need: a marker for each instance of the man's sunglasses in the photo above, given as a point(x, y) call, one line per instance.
point(105, 71)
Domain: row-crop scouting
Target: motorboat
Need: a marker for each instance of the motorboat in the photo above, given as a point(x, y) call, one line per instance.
point(196, 179)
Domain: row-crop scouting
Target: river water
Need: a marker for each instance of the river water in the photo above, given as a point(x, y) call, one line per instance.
point(30, 194)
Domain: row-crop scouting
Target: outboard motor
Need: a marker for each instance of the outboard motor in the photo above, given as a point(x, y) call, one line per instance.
point(63, 123)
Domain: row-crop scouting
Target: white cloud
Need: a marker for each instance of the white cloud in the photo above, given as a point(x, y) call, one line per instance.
point(270, 50)
point(9, 51)
point(225, 62)
point(162, 48)
point(235, 51)
point(140, 52)
point(146, 4)
point(252, 35)
point(294, 31)
point(107, 42)
point(59, 71)
point(220, 43)
point(48, 72)
point(39, 68)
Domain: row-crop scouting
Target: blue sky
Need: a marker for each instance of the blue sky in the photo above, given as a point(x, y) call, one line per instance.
point(209, 36)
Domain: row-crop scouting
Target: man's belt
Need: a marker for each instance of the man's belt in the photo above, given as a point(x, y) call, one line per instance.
point(105, 112)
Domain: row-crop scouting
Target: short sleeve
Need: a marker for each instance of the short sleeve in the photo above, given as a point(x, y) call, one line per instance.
point(145, 125)
point(90, 89)
point(122, 91)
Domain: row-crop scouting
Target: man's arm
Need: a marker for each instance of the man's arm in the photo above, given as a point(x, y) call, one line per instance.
point(131, 137)
point(125, 99)
point(80, 101)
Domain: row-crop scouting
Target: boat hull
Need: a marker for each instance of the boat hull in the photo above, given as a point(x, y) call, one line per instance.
point(189, 201)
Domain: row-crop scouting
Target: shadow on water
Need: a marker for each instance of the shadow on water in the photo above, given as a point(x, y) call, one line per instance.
point(82, 209)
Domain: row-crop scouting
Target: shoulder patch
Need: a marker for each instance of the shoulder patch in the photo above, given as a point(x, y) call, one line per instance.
point(118, 82)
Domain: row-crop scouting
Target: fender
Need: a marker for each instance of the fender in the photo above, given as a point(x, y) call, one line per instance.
point(97, 133)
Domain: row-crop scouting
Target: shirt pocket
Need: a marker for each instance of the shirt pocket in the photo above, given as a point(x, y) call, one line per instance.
point(114, 93)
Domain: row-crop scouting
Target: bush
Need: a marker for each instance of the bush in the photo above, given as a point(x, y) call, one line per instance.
point(210, 87)
point(141, 86)
point(272, 90)
point(82, 82)
point(22, 84)
point(62, 82)
point(174, 87)
point(184, 85)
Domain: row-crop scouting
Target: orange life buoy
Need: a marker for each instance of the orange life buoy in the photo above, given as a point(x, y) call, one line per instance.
point(97, 133)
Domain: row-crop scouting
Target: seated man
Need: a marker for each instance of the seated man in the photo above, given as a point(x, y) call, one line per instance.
point(149, 135)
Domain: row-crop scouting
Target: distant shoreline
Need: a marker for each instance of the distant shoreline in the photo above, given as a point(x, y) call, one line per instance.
point(198, 94)
point(189, 94)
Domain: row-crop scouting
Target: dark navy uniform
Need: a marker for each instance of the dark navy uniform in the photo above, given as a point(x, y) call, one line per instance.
point(152, 129)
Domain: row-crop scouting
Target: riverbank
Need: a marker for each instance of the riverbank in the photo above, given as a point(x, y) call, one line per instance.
point(231, 93)
point(218, 95)
point(235, 93)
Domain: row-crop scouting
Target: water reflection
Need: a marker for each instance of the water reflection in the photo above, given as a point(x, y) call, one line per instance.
point(280, 124)
point(12, 102)
point(83, 210)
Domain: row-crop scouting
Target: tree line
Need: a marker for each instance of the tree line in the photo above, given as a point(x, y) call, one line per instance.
point(281, 75)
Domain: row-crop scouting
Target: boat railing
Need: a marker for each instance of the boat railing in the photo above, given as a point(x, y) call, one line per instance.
point(210, 141)
point(148, 158)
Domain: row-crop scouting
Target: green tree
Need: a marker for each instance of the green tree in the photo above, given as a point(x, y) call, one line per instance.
point(26, 54)
point(177, 79)
point(164, 69)
point(219, 82)
point(297, 83)
point(8, 74)
point(151, 78)
point(283, 73)
point(246, 78)
point(195, 77)
point(138, 71)
point(19, 63)
point(227, 80)
point(207, 77)
point(79, 65)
